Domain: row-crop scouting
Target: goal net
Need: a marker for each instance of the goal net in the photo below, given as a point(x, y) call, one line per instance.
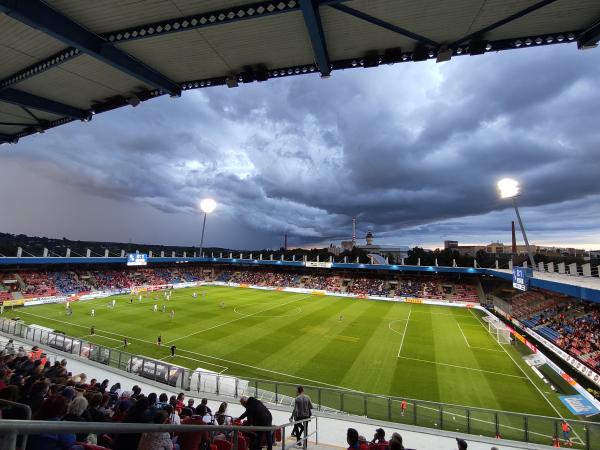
point(498, 330)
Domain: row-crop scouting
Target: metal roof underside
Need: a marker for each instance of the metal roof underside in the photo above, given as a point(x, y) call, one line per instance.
point(65, 60)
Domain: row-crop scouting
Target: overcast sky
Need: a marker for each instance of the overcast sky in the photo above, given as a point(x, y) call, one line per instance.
point(412, 150)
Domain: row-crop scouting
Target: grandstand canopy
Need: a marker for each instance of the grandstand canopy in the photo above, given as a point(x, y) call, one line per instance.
point(66, 60)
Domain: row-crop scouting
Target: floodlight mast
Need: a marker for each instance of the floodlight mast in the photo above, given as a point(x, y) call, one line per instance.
point(207, 206)
point(510, 188)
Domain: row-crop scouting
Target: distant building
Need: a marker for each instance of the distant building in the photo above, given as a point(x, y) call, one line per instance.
point(450, 244)
point(498, 248)
point(387, 251)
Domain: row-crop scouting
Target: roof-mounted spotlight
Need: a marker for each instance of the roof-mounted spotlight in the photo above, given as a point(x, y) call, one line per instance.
point(247, 76)
point(392, 55)
point(371, 59)
point(87, 118)
point(261, 74)
point(477, 47)
point(134, 100)
point(444, 54)
point(231, 81)
point(420, 53)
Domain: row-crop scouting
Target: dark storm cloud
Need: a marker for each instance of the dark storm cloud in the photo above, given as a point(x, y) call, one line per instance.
point(413, 150)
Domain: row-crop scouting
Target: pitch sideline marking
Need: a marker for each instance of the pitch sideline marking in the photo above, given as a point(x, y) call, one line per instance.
point(225, 368)
point(404, 334)
point(527, 375)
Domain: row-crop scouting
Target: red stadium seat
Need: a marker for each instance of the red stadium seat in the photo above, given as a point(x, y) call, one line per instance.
point(222, 444)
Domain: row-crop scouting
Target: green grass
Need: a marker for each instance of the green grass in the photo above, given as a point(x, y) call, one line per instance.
point(416, 351)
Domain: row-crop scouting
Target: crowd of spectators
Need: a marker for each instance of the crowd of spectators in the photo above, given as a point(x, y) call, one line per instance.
point(573, 325)
point(37, 284)
point(369, 286)
point(69, 283)
point(76, 282)
point(53, 393)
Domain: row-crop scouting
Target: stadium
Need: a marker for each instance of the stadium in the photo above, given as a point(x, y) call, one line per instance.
point(116, 346)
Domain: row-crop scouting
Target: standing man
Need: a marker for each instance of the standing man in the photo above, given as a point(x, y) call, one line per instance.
point(173, 348)
point(403, 407)
point(114, 302)
point(93, 312)
point(302, 410)
point(155, 307)
point(566, 431)
point(124, 342)
point(159, 340)
point(164, 308)
point(93, 329)
point(258, 415)
point(172, 314)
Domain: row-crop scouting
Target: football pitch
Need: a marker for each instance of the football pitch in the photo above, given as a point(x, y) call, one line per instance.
point(404, 350)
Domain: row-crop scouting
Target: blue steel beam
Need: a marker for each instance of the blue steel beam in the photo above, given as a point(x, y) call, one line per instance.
point(502, 22)
point(381, 23)
point(40, 16)
point(312, 19)
point(21, 98)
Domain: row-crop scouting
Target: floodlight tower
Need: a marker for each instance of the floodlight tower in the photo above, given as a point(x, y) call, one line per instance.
point(207, 206)
point(509, 188)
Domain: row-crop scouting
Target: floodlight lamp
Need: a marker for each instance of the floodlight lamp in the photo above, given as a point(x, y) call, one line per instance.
point(208, 205)
point(508, 188)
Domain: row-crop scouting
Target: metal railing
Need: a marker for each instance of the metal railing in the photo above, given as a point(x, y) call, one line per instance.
point(11, 429)
point(10, 440)
point(442, 416)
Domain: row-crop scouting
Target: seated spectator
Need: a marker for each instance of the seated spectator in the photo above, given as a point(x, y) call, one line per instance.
point(221, 416)
point(461, 443)
point(77, 412)
point(157, 440)
point(53, 408)
point(163, 401)
point(362, 442)
point(205, 403)
point(352, 439)
point(94, 402)
point(137, 414)
point(379, 437)
point(396, 442)
point(193, 441)
point(179, 403)
point(172, 415)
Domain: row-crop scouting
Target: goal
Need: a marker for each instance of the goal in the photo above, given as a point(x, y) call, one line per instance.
point(498, 330)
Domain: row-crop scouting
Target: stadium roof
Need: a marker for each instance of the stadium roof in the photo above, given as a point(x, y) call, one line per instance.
point(66, 60)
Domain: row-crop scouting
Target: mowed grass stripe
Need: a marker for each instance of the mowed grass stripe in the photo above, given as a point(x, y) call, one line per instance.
point(336, 357)
point(291, 343)
point(371, 368)
point(416, 380)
